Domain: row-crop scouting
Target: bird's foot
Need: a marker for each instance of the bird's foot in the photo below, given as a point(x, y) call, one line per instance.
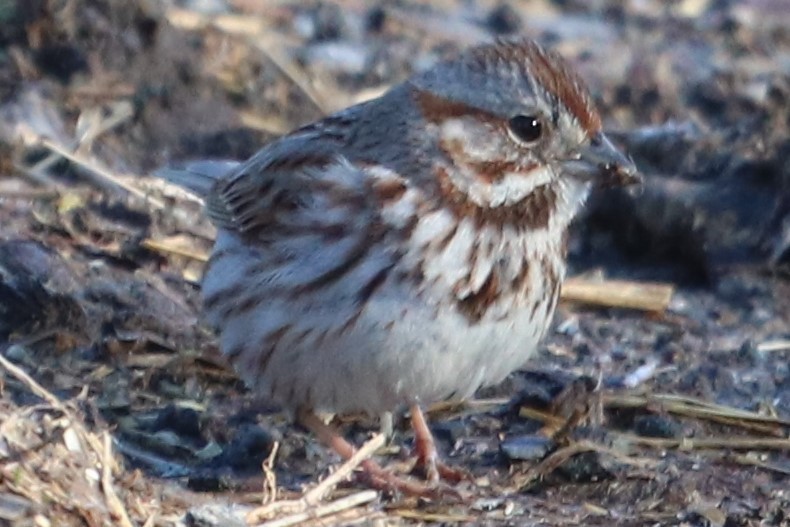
point(428, 461)
point(379, 478)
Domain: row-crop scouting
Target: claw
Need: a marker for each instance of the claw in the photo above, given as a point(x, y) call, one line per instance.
point(379, 478)
point(427, 455)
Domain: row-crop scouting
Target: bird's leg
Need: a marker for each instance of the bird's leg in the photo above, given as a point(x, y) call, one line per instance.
point(427, 456)
point(377, 477)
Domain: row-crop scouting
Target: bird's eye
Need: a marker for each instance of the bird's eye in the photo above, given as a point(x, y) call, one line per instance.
point(526, 128)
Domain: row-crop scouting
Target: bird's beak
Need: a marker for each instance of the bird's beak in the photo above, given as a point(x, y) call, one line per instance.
point(602, 164)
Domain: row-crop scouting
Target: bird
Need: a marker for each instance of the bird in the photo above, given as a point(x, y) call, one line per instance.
point(406, 250)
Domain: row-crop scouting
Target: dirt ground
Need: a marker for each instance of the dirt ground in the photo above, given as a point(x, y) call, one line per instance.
point(116, 408)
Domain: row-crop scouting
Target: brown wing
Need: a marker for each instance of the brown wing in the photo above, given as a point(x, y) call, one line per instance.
point(294, 184)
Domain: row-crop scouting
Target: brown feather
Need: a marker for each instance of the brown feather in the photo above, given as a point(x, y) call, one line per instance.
point(550, 71)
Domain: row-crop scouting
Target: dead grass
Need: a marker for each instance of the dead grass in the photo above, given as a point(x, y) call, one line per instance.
point(58, 460)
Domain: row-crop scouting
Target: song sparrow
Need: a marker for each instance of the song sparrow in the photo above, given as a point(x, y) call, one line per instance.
point(408, 249)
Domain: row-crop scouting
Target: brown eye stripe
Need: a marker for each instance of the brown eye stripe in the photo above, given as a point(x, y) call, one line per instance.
point(548, 70)
point(487, 171)
point(436, 110)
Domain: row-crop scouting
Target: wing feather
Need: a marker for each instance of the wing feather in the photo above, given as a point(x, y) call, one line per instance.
point(295, 185)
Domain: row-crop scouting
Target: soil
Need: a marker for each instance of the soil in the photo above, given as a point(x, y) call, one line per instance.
point(623, 417)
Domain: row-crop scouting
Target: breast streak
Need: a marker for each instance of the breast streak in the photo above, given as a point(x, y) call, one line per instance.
point(474, 346)
point(388, 330)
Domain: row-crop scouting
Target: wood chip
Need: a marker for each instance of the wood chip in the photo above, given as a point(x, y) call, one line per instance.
point(618, 293)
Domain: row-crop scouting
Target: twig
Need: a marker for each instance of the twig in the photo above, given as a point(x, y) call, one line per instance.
point(228, 23)
point(434, 517)
point(270, 478)
point(618, 293)
point(556, 459)
point(771, 346)
point(254, 30)
point(334, 507)
point(292, 74)
point(691, 407)
point(114, 504)
point(31, 383)
point(476, 405)
point(88, 130)
point(147, 459)
point(314, 495)
point(164, 246)
point(552, 421)
point(750, 461)
point(711, 443)
point(30, 194)
point(100, 174)
point(551, 462)
point(367, 450)
point(102, 450)
point(54, 402)
point(359, 516)
point(270, 124)
point(640, 462)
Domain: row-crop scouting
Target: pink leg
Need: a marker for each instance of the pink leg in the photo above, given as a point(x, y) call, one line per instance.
point(376, 476)
point(427, 456)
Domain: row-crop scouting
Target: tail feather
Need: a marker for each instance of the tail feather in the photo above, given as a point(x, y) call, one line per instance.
point(197, 176)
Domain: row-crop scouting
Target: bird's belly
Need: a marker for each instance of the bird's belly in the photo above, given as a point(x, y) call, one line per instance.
point(325, 350)
point(428, 357)
point(393, 354)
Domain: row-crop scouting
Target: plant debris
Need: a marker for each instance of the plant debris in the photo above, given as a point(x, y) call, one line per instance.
point(660, 397)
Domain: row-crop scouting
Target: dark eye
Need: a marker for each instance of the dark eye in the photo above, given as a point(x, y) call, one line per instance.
point(526, 128)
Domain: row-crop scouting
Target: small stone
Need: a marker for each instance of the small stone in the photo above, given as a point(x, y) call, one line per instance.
point(487, 504)
point(72, 440)
point(375, 20)
point(248, 448)
point(13, 507)
point(328, 22)
point(583, 468)
point(18, 353)
point(61, 61)
point(569, 326)
point(526, 448)
point(92, 475)
point(182, 421)
point(217, 514)
point(656, 426)
point(451, 431)
point(503, 19)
